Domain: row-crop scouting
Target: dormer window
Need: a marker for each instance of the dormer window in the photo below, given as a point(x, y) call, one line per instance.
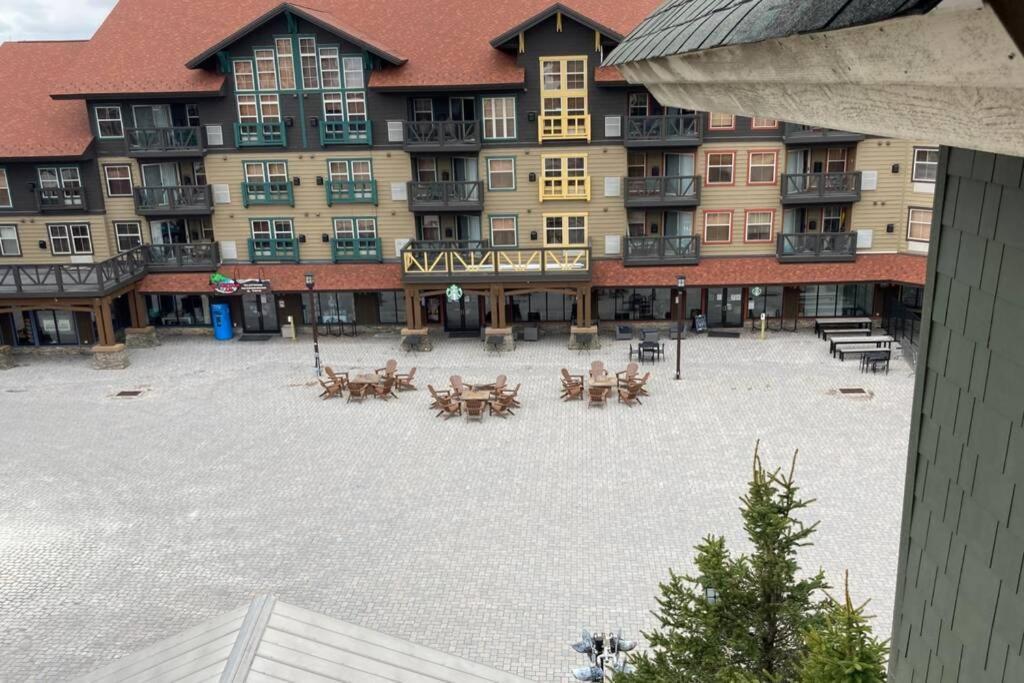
point(330, 68)
point(285, 63)
point(266, 72)
point(307, 60)
point(564, 113)
point(244, 80)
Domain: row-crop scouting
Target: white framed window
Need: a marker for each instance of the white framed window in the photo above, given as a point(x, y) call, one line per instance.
point(272, 228)
point(639, 104)
point(636, 222)
point(718, 227)
point(355, 228)
point(109, 124)
point(353, 72)
point(499, 118)
point(721, 122)
point(762, 123)
point(759, 226)
point(426, 169)
point(128, 234)
point(270, 108)
point(355, 170)
point(266, 68)
point(563, 230)
point(68, 239)
point(119, 180)
point(919, 225)
point(6, 201)
point(308, 63)
point(330, 68)
point(266, 171)
point(761, 168)
point(248, 110)
point(334, 106)
point(245, 80)
point(422, 109)
point(285, 63)
point(81, 238)
point(501, 174)
point(720, 166)
point(9, 244)
point(835, 160)
point(636, 165)
point(355, 105)
point(926, 164)
point(504, 231)
point(832, 219)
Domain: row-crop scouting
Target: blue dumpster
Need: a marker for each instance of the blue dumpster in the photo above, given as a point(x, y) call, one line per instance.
point(221, 314)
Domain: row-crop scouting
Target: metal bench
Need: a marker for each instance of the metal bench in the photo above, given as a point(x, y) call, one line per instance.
point(873, 360)
point(845, 332)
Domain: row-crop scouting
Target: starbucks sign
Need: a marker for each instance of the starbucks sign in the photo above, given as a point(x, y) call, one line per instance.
point(454, 293)
point(755, 291)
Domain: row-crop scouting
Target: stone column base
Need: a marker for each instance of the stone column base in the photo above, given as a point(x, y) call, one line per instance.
point(113, 357)
point(423, 334)
point(141, 337)
point(6, 358)
point(508, 340)
point(577, 344)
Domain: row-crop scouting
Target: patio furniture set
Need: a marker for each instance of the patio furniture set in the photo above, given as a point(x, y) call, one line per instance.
point(473, 399)
point(855, 337)
point(599, 384)
point(382, 383)
point(650, 347)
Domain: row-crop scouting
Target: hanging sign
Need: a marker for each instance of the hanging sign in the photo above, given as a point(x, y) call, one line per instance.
point(254, 286)
point(222, 284)
point(454, 293)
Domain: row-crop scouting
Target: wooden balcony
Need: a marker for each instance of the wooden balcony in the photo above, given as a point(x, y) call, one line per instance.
point(360, 249)
point(73, 279)
point(183, 141)
point(820, 188)
point(798, 134)
point(661, 191)
point(275, 193)
point(273, 249)
point(195, 257)
point(565, 189)
point(563, 127)
point(829, 247)
point(478, 261)
point(178, 200)
point(351, 192)
point(61, 199)
point(667, 130)
point(442, 136)
point(454, 195)
point(261, 134)
point(345, 133)
point(659, 250)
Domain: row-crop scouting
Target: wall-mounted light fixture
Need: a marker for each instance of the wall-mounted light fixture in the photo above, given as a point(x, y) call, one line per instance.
point(325, 237)
point(302, 239)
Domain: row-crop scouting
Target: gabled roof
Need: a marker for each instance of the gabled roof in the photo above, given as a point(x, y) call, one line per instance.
point(544, 15)
point(321, 18)
point(681, 26)
point(33, 124)
point(275, 641)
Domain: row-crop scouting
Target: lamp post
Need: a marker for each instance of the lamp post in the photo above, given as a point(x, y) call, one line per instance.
point(680, 295)
point(606, 655)
point(310, 283)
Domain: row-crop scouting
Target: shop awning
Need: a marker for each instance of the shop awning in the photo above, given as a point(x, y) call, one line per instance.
point(283, 278)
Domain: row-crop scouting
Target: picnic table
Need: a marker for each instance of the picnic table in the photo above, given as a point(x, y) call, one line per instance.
point(841, 323)
point(840, 343)
point(826, 332)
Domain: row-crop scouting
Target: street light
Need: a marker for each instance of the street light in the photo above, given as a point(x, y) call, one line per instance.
point(606, 653)
point(680, 295)
point(310, 283)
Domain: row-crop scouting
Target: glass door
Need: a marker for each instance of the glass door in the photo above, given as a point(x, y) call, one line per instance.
point(173, 231)
point(680, 168)
point(725, 307)
point(152, 115)
point(259, 313)
point(463, 315)
point(678, 224)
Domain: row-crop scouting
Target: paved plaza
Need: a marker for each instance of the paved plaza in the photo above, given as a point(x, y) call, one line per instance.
point(126, 520)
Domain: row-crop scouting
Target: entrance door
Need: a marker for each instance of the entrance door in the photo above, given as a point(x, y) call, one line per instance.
point(160, 175)
point(463, 315)
point(464, 169)
point(152, 115)
point(173, 231)
point(259, 313)
point(678, 223)
point(467, 228)
point(725, 307)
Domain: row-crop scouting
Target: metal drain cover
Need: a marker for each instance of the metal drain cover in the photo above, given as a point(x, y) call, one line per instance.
point(854, 391)
point(128, 394)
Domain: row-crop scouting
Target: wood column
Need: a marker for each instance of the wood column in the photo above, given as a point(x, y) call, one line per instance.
point(104, 323)
point(411, 303)
point(502, 322)
point(135, 310)
point(583, 306)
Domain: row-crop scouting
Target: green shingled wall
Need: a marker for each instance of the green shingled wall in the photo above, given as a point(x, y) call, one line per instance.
point(959, 599)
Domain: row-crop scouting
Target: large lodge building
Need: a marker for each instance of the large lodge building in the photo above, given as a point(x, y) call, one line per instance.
point(396, 148)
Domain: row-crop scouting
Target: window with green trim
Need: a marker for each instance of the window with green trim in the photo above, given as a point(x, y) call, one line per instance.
point(272, 228)
point(501, 174)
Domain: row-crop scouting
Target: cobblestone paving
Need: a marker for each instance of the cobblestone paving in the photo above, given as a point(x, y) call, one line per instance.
point(123, 521)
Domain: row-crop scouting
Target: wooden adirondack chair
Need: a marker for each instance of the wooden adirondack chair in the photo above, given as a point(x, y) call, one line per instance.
point(337, 377)
point(359, 392)
point(389, 368)
point(403, 381)
point(385, 389)
point(437, 397)
point(631, 394)
point(598, 396)
point(331, 389)
point(444, 404)
point(475, 409)
point(513, 395)
point(597, 370)
point(502, 406)
point(628, 375)
point(457, 386)
point(643, 384)
point(499, 385)
point(572, 386)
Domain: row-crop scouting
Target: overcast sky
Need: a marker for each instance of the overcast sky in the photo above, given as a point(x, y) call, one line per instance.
point(51, 19)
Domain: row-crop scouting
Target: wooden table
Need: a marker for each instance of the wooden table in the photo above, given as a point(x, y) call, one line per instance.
point(880, 341)
point(476, 395)
point(372, 378)
point(840, 323)
point(606, 382)
point(478, 385)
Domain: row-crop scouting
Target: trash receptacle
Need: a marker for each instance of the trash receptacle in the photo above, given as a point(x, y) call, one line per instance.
point(221, 314)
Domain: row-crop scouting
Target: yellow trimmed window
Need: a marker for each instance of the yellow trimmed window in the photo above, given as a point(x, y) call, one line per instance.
point(565, 230)
point(564, 177)
point(563, 96)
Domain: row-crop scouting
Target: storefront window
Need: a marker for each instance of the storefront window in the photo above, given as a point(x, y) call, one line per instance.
point(391, 308)
point(642, 303)
point(167, 310)
point(826, 301)
point(332, 307)
point(541, 307)
point(43, 328)
point(767, 300)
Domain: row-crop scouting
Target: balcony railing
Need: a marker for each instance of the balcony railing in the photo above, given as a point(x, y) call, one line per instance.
point(176, 141)
point(816, 247)
point(452, 195)
point(662, 191)
point(345, 132)
point(655, 249)
point(552, 189)
point(664, 130)
point(57, 199)
point(278, 192)
point(345, 249)
point(817, 188)
point(351, 192)
point(261, 135)
point(197, 256)
point(456, 136)
point(795, 133)
point(178, 200)
point(273, 249)
point(73, 279)
point(564, 127)
point(434, 261)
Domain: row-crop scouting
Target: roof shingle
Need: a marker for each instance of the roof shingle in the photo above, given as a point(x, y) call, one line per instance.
point(355, 277)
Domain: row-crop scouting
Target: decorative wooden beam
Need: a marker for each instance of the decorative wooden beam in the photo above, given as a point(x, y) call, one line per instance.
point(522, 43)
point(558, 21)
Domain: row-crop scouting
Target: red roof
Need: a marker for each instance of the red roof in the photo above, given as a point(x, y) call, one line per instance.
point(608, 74)
point(356, 277)
point(33, 124)
point(764, 270)
point(143, 45)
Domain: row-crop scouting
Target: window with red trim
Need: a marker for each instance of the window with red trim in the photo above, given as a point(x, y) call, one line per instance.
point(717, 226)
point(720, 168)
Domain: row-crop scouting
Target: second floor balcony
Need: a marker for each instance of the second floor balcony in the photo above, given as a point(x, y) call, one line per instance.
point(820, 188)
point(357, 249)
point(73, 279)
point(451, 195)
point(178, 200)
point(278, 249)
point(345, 132)
point(660, 250)
point(197, 256)
point(178, 141)
point(665, 130)
point(61, 199)
point(351, 192)
point(446, 261)
point(662, 191)
point(442, 136)
point(268, 193)
point(267, 134)
point(816, 247)
point(557, 127)
point(797, 134)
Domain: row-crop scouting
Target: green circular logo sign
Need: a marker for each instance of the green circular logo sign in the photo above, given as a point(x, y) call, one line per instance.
point(454, 293)
point(755, 291)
